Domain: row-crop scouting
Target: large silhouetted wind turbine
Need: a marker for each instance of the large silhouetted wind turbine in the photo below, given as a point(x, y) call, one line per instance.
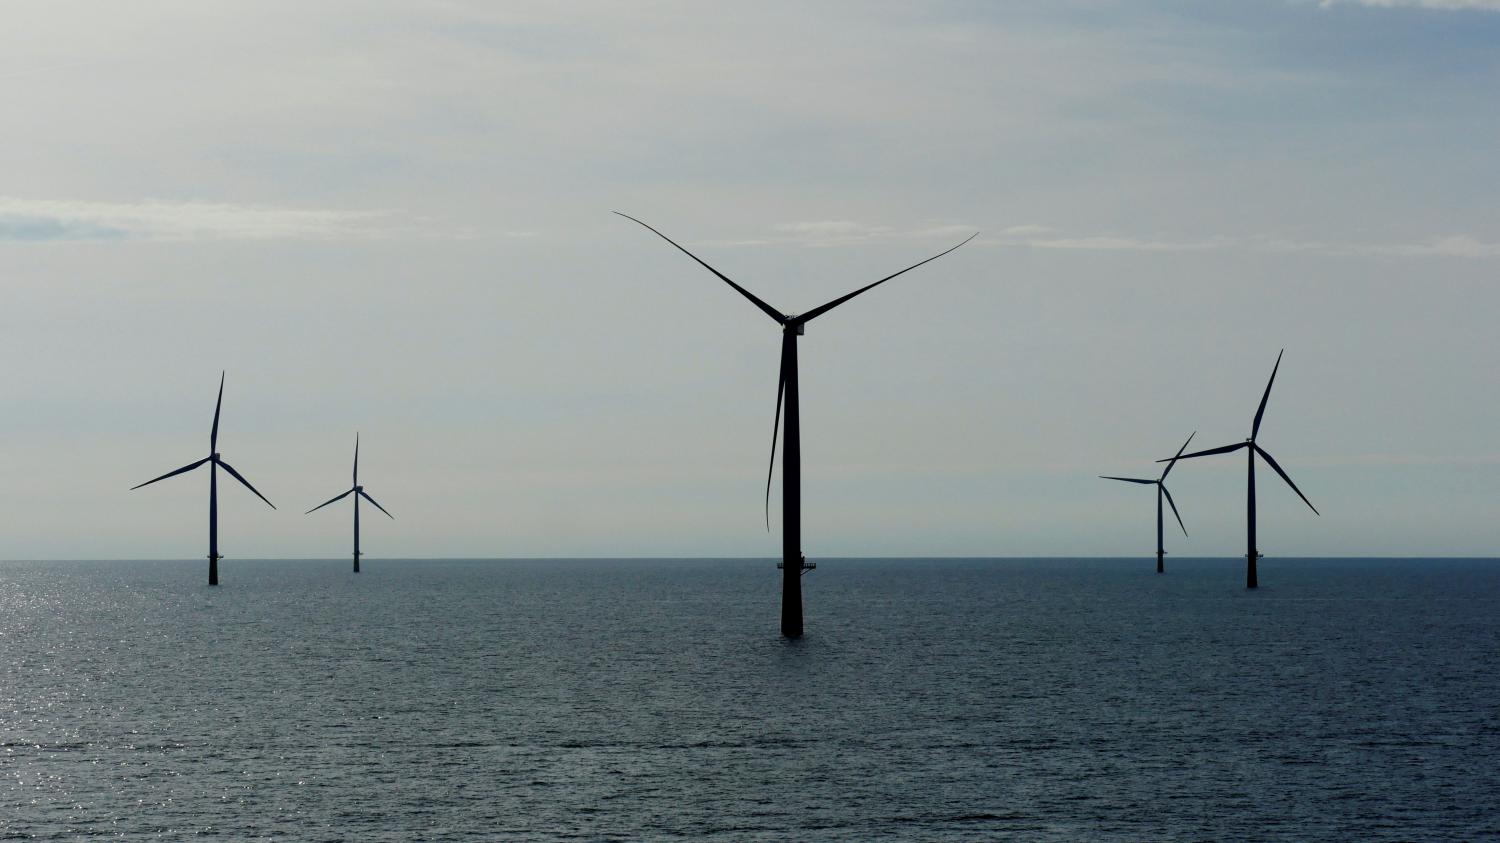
point(214, 464)
point(1161, 489)
point(792, 326)
point(1251, 448)
point(358, 492)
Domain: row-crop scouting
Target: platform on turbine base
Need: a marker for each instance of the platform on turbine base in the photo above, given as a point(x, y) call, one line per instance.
point(806, 566)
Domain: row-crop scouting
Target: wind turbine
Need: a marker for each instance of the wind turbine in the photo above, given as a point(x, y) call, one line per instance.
point(1161, 489)
point(215, 462)
point(792, 326)
point(1251, 449)
point(358, 492)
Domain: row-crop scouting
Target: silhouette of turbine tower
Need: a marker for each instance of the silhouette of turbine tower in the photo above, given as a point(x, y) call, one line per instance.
point(358, 492)
point(1251, 449)
point(1161, 490)
point(792, 326)
point(215, 462)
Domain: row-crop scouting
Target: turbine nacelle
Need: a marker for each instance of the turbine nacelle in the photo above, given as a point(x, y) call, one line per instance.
point(793, 324)
point(359, 488)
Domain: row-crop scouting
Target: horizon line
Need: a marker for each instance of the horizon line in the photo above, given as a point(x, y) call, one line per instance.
point(715, 558)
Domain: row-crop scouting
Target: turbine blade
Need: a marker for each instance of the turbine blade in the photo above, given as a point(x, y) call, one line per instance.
point(770, 311)
point(377, 506)
point(324, 503)
point(1173, 504)
point(174, 473)
point(236, 475)
point(1261, 410)
point(213, 436)
point(1129, 480)
point(356, 458)
point(775, 429)
point(819, 311)
point(1274, 465)
point(1179, 455)
point(1224, 449)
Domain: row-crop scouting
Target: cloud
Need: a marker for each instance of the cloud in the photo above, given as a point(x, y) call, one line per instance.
point(1382, 460)
point(43, 220)
point(844, 232)
point(832, 232)
point(20, 227)
point(1045, 237)
point(1447, 5)
point(1450, 246)
point(1458, 246)
point(1034, 236)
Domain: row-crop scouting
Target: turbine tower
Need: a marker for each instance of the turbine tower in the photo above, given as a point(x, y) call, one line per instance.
point(1161, 489)
point(215, 462)
point(792, 326)
point(1251, 449)
point(358, 492)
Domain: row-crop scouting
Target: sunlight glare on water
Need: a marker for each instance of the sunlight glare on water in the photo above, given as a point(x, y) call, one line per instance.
point(636, 699)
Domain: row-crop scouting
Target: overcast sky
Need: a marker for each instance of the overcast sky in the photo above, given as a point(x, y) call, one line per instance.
point(395, 218)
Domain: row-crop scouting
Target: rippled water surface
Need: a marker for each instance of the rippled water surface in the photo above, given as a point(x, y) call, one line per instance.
point(631, 700)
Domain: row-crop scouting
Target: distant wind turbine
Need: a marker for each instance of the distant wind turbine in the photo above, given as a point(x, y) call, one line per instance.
point(358, 492)
point(1161, 489)
point(1251, 554)
point(214, 464)
point(792, 326)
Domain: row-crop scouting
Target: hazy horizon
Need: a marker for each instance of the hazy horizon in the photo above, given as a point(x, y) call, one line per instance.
point(1122, 558)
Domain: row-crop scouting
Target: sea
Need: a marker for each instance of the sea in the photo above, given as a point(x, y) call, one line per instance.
point(633, 699)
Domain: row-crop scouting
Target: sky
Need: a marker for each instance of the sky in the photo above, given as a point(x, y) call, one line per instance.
point(395, 218)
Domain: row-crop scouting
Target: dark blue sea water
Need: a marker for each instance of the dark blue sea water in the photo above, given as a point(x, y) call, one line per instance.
point(1055, 700)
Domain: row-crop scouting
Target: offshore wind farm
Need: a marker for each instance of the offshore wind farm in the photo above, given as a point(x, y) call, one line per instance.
point(586, 611)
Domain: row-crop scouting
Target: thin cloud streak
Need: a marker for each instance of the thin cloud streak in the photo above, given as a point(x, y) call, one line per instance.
point(1044, 237)
point(1442, 5)
point(1397, 460)
point(826, 233)
point(50, 220)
